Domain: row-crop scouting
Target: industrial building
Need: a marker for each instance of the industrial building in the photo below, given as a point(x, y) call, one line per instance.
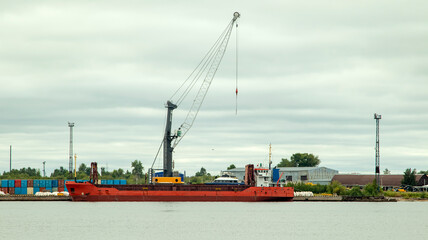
point(315, 175)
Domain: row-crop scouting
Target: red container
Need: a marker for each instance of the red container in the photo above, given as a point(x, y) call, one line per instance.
point(60, 184)
point(60, 189)
point(42, 189)
point(30, 182)
point(4, 189)
point(12, 190)
point(18, 183)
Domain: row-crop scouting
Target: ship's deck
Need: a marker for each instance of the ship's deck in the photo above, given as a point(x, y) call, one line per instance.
point(175, 187)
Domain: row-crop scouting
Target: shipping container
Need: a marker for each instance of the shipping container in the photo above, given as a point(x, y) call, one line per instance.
point(54, 189)
point(48, 189)
point(4, 183)
point(18, 191)
point(11, 190)
point(1, 183)
point(42, 189)
point(60, 183)
point(110, 182)
point(5, 189)
point(98, 181)
point(36, 190)
point(48, 183)
point(55, 183)
point(116, 182)
point(30, 183)
point(24, 184)
point(30, 190)
point(36, 183)
point(11, 183)
point(103, 181)
point(17, 183)
point(61, 189)
point(42, 184)
point(122, 182)
point(24, 190)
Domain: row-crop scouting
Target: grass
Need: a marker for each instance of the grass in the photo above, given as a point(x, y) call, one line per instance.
point(406, 195)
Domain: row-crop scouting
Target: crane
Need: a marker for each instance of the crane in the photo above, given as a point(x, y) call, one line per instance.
point(206, 69)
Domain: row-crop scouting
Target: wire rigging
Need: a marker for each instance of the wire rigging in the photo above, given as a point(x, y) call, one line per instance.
point(236, 67)
point(200, 69)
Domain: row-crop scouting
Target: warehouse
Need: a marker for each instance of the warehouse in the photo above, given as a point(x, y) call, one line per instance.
point(315, 175)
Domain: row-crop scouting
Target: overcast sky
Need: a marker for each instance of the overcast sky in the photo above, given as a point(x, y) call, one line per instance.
point(311, 76)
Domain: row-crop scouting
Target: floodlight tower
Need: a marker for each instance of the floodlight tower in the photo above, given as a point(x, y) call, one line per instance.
point(70, 160)
point(377, 117)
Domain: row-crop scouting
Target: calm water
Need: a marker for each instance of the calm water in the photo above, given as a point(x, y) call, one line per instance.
point(144, 220)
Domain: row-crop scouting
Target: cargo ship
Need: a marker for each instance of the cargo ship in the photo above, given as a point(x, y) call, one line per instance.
point(257, 185)
point(255, 189)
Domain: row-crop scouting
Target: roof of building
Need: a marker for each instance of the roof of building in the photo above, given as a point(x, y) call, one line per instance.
point(297, 169)
point(235, 170)
point(357, 179)
point(282, 169)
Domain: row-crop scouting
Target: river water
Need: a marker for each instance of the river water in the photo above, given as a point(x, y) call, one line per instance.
point(213, 220)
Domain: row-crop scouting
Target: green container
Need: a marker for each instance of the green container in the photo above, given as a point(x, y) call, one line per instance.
point(55, 189)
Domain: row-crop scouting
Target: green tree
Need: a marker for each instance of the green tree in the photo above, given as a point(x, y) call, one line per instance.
point(201, 173)
point(423, 172)
point(355, 192)
point(386, 171)
point(23, 173)
point(372, 189)
point(137, 168)
point(336, 187)
point(409, 177)
point(118, 173)
point(83, 168)
point(61, 172)
point(232, 166)
point(300, 160)
point(285, 163)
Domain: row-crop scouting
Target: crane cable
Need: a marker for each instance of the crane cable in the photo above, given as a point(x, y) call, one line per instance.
point(236, 53)
point(200, 68)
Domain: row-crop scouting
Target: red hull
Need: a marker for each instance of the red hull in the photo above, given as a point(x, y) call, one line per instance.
point(179, 193)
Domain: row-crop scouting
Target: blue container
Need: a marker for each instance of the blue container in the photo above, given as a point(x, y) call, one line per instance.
point(11, 183)
point(4, 183)
point(182, 176)
point(159, 174)
point(36, 183)
point(122, 182)
point(18, 191)
point(36, 189)
point(42, 183)
point(24, 184)
point(48, 183)
point(275, 174)
point(54, 183)
point(23, 190)
point(103, 181)
point(110, 182)
point(48, 189)
point(116, 182)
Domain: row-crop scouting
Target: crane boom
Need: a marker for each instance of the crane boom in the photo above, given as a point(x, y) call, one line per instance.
point(209, 65)
point(200, 96)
